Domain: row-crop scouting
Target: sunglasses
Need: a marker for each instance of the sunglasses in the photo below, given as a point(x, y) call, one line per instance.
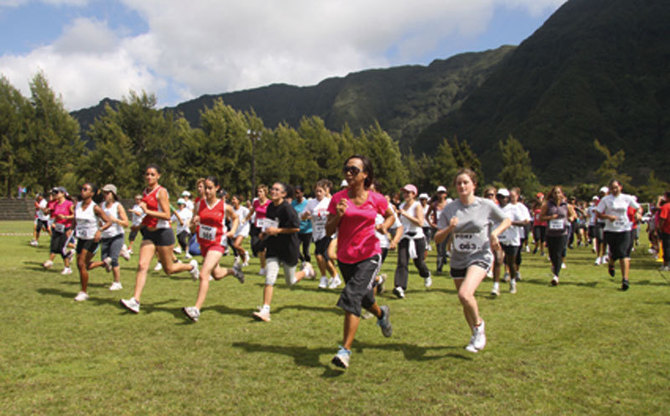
point(489, 195)
point(354, 170)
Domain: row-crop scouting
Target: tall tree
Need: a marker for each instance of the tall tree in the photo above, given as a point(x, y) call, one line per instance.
point(15, 155)
point(384, 154)
point(611, 166)
point(466, 158)
point(517, 170)
point(444, 166)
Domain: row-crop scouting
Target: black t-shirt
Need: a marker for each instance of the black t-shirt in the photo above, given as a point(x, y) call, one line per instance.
point(283, 246)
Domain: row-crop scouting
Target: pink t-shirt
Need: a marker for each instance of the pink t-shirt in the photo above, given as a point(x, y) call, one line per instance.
point(356, 240)
point(64, 209)
point(260, 210)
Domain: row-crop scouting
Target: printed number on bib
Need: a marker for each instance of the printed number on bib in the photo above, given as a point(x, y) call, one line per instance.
point(83, 234)
point(60, 228)
point(207, 233)
point(467, 243)
point(556, 224)
point(620, 223)
point(268, 223)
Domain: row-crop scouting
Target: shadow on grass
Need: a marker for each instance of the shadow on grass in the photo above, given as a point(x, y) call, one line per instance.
point(564, 282)
point(310, 357)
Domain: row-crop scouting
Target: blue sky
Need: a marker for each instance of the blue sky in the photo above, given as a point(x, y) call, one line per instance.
point(179, 50)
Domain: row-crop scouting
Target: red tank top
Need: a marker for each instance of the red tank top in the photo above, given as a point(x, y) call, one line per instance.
point(151, 199)
point(212, 223)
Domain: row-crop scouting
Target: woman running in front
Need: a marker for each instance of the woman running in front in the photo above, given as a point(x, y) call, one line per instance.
point(614, 210)
point(112, 239)
point(88, 233)
point(258, 208)
point(280, 233)
point(157, 237)
point(557, 214)
point(352, 213)
point(469, 218)
point(212, 237)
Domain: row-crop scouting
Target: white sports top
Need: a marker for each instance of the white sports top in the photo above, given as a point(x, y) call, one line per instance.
point(87, 221)
point(113, 213)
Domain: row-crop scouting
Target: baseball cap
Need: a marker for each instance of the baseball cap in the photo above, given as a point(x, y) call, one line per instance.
point(410, 188)
point(423, 196)
point(109, 188)
point(181, 201)
point(186, 193)
point(503, 192)
point(441, 189)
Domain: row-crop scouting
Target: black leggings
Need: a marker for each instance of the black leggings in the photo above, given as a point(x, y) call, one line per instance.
point(556, 247)
point(402, 269)
point(305, 240)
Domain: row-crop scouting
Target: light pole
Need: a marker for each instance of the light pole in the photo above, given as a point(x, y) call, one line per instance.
point(253, 135)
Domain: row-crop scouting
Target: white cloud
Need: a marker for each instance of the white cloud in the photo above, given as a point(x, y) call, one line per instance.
point(211, 46)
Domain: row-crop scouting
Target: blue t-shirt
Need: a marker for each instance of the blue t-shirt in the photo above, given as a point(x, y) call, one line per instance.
point(305, 225)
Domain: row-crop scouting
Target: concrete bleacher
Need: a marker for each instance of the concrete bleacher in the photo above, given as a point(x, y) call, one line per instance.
point(16, 209)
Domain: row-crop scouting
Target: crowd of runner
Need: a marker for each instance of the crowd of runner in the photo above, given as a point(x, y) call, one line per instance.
point(353, 228)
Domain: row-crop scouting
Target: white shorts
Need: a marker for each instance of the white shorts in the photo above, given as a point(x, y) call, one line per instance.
point(272, 271)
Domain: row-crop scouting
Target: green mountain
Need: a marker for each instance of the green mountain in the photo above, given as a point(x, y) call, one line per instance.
point(404, 100)
point(597, 69)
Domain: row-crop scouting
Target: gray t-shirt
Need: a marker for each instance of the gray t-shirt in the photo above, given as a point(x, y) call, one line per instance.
point(471, 236)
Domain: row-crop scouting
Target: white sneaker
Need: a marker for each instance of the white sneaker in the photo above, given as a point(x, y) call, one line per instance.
point(512, 286)
point(66, 270)
point(116, 286)
point(554, 281)
point(495, 291)
point(158, 267)
point(380, 284)
point(188, 256)
point(192, 312)
point(527, 249)
point(335, 282)
point(177, 249)
point(563, 266)
point(261, 272)
point(598, 261)
point(236, 261)
point(131, 304)
point(427, 282)
point(399, 292)
point(108, 264)
point(341, 359)
point(478, 340)
point(246, 259)
point(48, 264)
point(125, 253)
point(81, 296)
point(323, 283)
point(309, 271)
point(263, 315)
point(195, 272)
point(34, 243)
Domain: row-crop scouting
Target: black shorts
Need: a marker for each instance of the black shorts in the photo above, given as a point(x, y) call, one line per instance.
point(539, 233)
point(321, 246)
point(89, 245)
point(59, 242)
point(619, 244)
point(460, 273)
point(41, 225)
point(510, 251)
point(599, 231)
point(161, 237)
point(359, 278)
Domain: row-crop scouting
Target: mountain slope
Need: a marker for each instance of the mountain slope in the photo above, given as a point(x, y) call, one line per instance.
point(597, 69)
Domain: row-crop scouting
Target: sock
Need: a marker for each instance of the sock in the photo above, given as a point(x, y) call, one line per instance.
point(496, 285)
point(266, 308)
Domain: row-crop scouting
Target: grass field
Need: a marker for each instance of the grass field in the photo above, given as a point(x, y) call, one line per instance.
point(584, 347)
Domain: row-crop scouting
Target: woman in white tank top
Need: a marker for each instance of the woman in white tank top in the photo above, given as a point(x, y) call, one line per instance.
point(86, 216)
point(111, 243)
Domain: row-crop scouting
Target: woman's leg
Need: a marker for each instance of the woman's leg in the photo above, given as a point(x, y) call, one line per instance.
point(466, 294)
point(147, 251)
point(83, 259)
point(210, 263)
point(166, 257)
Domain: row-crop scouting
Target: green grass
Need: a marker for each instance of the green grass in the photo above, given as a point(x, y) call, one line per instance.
point(583, 347)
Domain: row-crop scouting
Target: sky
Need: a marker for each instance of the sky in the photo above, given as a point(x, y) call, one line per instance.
point(179, 50)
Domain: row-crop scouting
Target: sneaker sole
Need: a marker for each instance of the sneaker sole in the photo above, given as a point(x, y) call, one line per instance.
point(127, 308)
point(260, 317)
point(339, 363)
point(189, 316)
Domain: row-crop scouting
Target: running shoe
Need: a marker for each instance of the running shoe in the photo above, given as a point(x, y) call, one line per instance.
point(506, 278)
point(66, 270)
point(48, 264)
point(131, 304)
point(563, 266)
point(323, 283)
point(384, 322)
point(116, 286)
point(192, 313)
point(479, 337)
point(610, 269)
point(81, 296)
point(625, 284)
point(188, 256)
point(261, 272)
point(335, 282)
point(34, 243)
point(246, 259)
point(512, 286)
point(262, 315)
point(177, 249)
point(195, 273)
point(158, 267)
point(70, 254)
point(237, 272)
point(309, 271)
point(108, 264)
point(495, 291)
point(380, 284)
point(471, 346)
point(554, 281)
point(427, 282)
point(598, 261)
point(341, 359)
point(236, 261)
point(125, 253)
point(399, 292)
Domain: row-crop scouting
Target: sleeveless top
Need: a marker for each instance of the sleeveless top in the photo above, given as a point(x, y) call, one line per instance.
point(113, 213)
point(87, 221)
point(411, 230)
point(151, 199)
point(558, 226)
point(260, 210)
point(212, 228)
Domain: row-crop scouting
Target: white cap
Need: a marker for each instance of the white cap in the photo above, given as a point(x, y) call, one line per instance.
point(186, 193)
point(503, 192)
point(441, 189)
point(181, 201)
point(604, 189)
point(423, 196)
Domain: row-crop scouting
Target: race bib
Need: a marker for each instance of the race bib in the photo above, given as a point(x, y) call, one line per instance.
point(267, 223)
point(468, 242)
point(556, 224)
point(83, 234)
point(620, 223)
point(59, 228)
point(207, 233)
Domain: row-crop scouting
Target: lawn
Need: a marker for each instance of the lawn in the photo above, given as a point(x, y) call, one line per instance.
point(584, 347)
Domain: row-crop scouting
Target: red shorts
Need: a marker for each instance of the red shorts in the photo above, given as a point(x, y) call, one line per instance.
point(206, 247)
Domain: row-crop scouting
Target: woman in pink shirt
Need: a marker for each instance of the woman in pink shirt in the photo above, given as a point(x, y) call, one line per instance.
point(352, 213)
point(62, 213)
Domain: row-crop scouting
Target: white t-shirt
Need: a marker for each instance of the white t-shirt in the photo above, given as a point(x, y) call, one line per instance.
point(515, 212)
point(617, 206)
point(113, 213)
point(383, 239)
point(319, 212)
point(136, 219)
point(39, 213)
point(243, 225)
point(186, 216)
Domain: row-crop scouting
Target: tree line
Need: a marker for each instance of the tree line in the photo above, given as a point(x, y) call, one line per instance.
point(41, 147)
